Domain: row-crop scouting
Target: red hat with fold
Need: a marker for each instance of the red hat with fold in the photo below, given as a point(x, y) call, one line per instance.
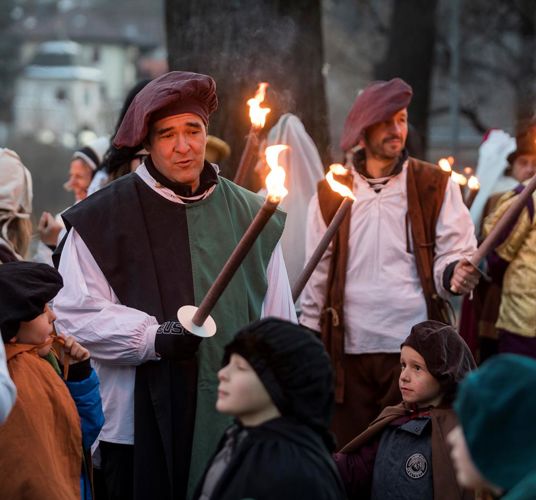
point(171, 94)
point(377, 102)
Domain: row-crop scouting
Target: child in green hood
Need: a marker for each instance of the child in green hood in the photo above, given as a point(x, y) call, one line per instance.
point(494, 447)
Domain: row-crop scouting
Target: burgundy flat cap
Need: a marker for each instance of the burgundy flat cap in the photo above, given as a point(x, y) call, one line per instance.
point(174, 93)
point(377, 102)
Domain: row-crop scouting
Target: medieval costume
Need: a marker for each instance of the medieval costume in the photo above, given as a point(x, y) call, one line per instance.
point(516, 259)
point(53, 422)
point(388, 268)
point(479, 312)
point(480, 315)
point(160, 246)
point(16, 196)
point(286, 457)
point(403, 453)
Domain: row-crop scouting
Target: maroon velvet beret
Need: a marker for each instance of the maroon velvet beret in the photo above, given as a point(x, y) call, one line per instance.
point(377, 102)
point(174, 93)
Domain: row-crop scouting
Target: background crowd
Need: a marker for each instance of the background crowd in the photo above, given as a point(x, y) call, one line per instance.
point(403, 369)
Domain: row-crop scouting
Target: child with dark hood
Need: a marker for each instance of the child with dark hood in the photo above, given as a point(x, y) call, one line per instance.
point(494, 447)
point(277, 382)
point(58, 413)
point(403, 453)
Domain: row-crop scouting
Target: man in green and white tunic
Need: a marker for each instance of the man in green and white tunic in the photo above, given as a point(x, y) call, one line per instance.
point(138, 250)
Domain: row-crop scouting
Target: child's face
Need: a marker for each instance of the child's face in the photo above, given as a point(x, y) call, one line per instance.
point(467, 474)
point(416, 383)
point(242, 394)
point(37, 331)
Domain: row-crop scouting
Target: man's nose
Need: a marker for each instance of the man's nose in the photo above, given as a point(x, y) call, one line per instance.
point(395, 128)
point(181, 144)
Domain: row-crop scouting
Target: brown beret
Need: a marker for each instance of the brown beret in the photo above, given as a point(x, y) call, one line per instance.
point(174, 93)
point(446, 354)
point(377, 102)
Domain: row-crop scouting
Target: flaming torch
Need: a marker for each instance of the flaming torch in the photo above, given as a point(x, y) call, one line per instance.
point(198, 320)
point(446, 165)
point(346, 204)
point(474, 187)
point(257, 115)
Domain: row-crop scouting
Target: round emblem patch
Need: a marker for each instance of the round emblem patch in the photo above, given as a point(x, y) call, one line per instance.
point(416, 466)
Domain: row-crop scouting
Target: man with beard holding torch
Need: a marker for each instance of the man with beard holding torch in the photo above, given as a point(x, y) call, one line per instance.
point(399, 254)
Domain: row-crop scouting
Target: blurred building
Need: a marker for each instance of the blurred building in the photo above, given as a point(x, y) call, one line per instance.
point(59, 92)
point(78, 65)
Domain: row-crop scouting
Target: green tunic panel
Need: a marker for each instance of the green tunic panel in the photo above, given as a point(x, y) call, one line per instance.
point(215, 226)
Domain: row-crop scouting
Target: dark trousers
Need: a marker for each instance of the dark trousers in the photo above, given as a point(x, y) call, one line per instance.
point(371, 384)
point(117, 470)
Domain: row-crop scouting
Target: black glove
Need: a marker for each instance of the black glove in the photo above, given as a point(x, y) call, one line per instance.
point(174, 342)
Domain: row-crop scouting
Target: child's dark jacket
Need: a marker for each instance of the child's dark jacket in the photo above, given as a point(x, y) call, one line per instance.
point(443, 420)
point(280, 460)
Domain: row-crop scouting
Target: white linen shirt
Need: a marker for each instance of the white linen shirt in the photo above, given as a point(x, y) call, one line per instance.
point(119, 337)
point(383, 296)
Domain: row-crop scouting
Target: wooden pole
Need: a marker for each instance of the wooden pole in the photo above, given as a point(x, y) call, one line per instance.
point(322, 246)
point(509, 216)
point(234, 261)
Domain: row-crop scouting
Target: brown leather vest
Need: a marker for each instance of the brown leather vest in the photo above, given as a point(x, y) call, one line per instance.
point(426, 186)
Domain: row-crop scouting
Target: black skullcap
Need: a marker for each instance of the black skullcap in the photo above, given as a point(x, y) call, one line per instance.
point(174, 93)
point(446, 354)
point(25, 288)
point(294, 368)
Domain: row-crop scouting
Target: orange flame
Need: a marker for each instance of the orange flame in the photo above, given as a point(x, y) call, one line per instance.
point(445, 165)
point(338, 169)
point(473, 183)
point(257, 115)
point(275, 180)
point(458, 178)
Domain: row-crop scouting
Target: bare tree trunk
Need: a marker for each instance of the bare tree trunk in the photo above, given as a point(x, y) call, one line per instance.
point(410, 56)
point(9, 60)
point(524, 85)
point(243, 42)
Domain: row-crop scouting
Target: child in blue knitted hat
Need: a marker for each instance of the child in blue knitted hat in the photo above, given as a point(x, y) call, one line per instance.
point(494, 447)
point(403, 453)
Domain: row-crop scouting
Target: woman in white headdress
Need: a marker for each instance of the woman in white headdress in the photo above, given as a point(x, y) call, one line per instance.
point(304, 170)
point(491, 170)
point(15, 207)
